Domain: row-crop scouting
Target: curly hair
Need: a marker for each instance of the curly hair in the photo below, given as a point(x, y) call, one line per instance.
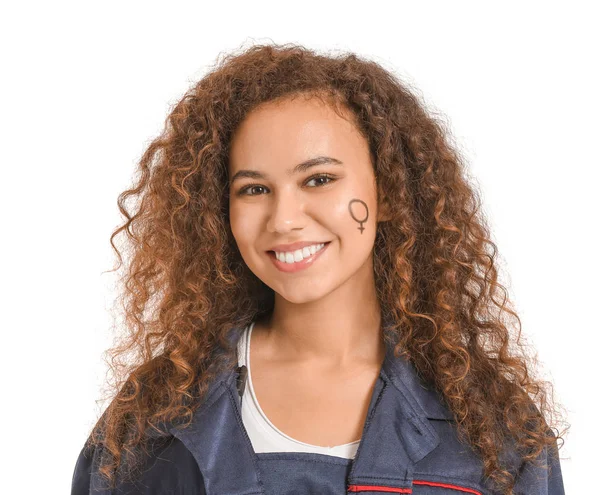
point(185, 284)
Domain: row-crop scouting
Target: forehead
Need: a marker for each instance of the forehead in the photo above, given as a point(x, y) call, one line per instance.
point(293, 130)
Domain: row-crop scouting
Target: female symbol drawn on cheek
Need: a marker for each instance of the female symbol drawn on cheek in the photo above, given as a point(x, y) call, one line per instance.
point(366, 213)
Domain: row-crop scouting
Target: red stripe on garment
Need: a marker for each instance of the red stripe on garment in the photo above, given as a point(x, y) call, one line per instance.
point(375, 488)
point(389, 489)
point(445, 485)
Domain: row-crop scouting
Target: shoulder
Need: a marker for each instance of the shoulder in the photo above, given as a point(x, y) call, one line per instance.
point(542, 476)
point(169, 468)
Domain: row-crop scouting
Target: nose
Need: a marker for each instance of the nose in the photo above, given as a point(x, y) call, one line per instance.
point(287, 213)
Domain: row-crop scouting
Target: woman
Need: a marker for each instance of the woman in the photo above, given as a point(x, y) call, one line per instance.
point(314, 302)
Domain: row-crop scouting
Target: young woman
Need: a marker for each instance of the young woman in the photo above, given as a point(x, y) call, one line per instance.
point(313, 302)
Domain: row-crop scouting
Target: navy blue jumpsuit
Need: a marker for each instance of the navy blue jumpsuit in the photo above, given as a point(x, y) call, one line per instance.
point(409, 445)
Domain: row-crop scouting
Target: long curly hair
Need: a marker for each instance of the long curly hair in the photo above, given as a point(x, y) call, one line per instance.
point(185, 284)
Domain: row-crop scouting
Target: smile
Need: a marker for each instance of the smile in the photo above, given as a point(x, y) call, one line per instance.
point(297, 265)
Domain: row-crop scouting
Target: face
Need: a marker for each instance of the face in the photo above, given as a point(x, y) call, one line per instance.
point(301, 173)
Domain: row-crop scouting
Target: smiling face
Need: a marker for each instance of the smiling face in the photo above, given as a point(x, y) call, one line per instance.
point(330, 197)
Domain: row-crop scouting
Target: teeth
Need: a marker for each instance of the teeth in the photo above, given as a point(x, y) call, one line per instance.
point(299, 254)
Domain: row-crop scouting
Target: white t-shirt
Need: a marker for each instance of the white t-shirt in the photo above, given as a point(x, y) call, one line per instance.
point(264, 435)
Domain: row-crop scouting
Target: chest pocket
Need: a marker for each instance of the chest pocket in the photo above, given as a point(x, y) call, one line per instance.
point(299, 473)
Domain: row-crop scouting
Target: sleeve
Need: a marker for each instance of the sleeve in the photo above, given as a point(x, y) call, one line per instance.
point(171, 469)
point(544, 477)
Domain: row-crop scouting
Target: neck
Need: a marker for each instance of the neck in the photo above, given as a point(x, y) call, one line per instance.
point(340, 330)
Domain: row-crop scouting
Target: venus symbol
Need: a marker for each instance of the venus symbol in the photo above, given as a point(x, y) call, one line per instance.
point(366, 213)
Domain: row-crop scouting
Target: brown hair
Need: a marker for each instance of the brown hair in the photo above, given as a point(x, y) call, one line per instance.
point(186, 284)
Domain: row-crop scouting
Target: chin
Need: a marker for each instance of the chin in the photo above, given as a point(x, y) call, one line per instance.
point(301, 293)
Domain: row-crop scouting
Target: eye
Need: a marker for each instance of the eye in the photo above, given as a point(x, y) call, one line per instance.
point(329, 178)
point(322, 176)
point(242, 191)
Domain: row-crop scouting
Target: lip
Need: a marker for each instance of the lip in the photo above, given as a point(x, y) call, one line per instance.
point(301, 265)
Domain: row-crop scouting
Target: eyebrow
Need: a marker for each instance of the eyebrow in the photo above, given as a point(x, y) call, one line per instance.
point(301, 167)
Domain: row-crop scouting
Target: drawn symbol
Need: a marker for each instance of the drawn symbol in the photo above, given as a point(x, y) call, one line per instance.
point(361, 228)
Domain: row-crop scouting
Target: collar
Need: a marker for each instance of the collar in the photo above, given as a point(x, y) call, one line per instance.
point(397, 432)
point(426, 402)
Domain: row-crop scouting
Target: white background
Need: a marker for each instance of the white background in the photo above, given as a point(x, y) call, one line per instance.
point(87, 85)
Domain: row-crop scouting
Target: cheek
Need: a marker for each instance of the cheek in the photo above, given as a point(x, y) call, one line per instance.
point(338, 214)
point(241, 225)
point(351, 213)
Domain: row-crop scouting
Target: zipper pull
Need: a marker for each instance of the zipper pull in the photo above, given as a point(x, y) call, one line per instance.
point(242, 374)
